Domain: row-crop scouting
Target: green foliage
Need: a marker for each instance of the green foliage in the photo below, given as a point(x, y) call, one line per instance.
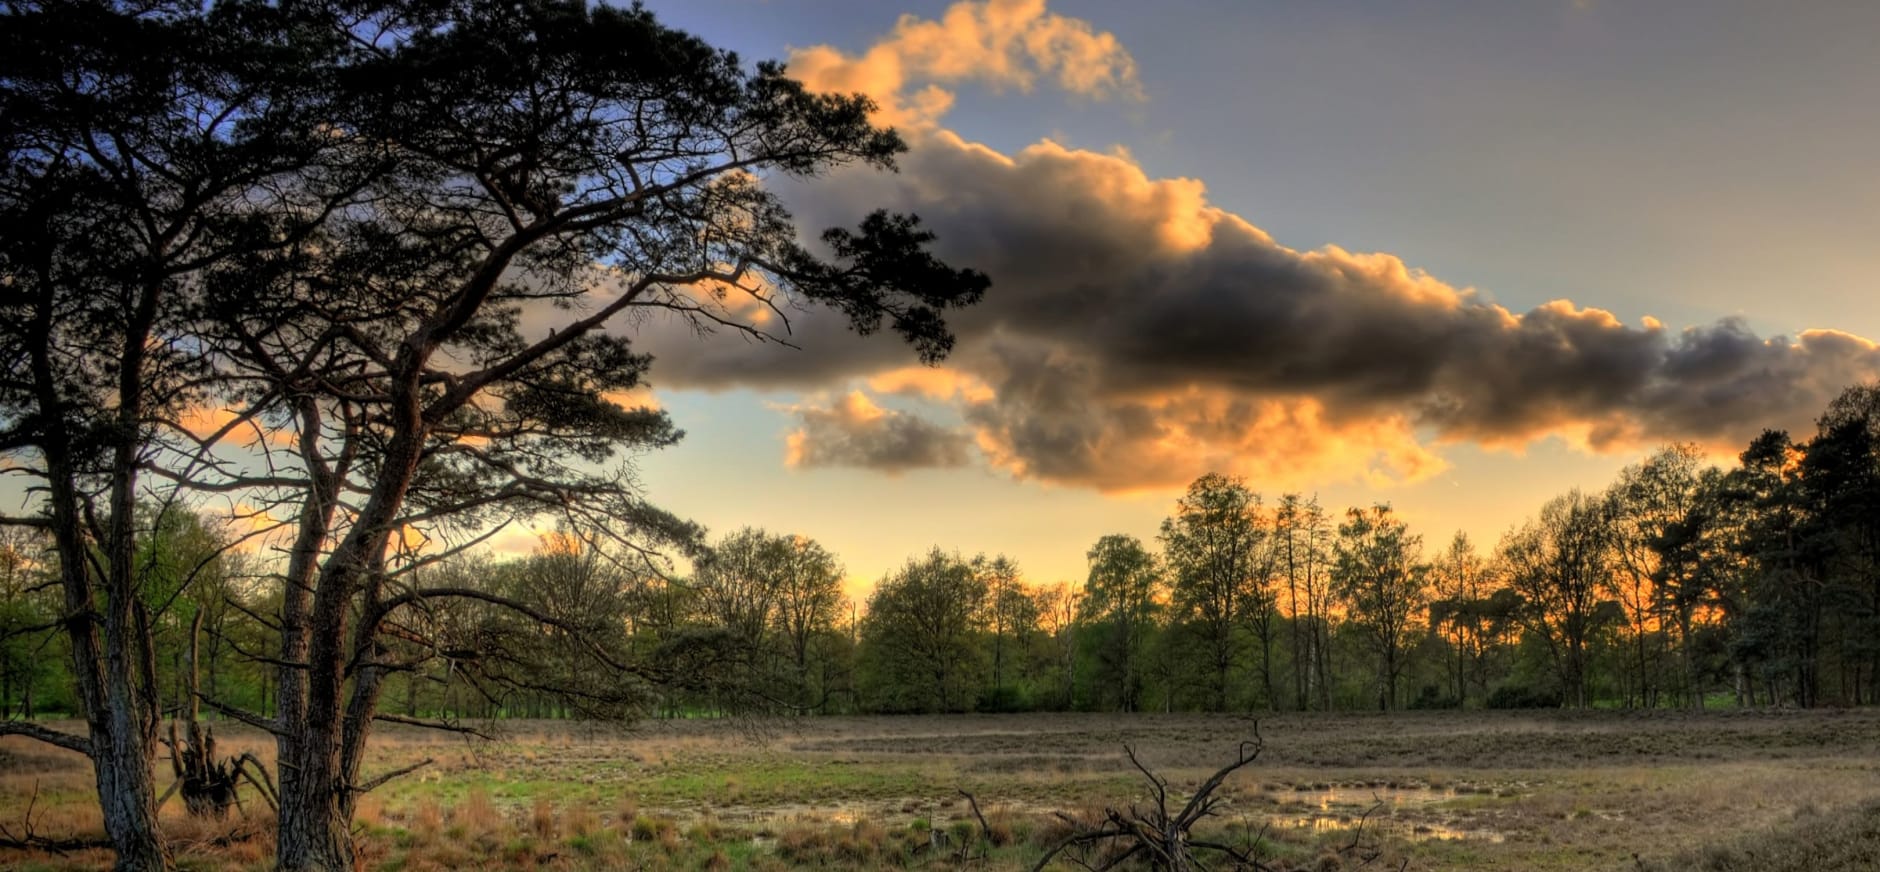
point(1122, 603)
point(1216, 551)
point(919, 637)
point(1379, 575)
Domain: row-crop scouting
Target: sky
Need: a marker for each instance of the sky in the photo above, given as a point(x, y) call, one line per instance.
point(1458, 257)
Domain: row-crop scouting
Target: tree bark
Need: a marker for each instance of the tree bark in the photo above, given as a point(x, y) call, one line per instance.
point(120, 726)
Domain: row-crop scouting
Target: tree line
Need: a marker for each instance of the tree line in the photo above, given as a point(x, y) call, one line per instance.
point(1679, 585)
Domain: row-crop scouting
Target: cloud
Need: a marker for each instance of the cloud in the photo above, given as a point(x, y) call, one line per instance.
point(854, 432)
point(931, 382)
point(1049, 418)
point(1137, 335)
point(207, 421)
point(999, 43)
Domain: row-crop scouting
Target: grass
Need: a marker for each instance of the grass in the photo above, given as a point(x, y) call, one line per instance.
point(1479, 790)
point(1841, 840)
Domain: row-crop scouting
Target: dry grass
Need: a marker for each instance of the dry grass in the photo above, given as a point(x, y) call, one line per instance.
point(1460, 790)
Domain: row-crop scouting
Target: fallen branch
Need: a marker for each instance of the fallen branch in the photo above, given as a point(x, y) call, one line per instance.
point(248, 765)
point(29, 839)
point(1366, 854)
point(1163, 839)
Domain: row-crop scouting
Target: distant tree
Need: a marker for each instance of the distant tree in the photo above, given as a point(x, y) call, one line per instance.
point(1122, 596)
point(739, 580)
point(1305, 533)
point(582, 592)
point(1383, 585)
point(1841, 482)
point(809, 596)
point(1648, 501)
point(921, 633)
point(28, 618)
point(1215, 549)
point(1700, 568)
point(1058, 606)
point(1458, 579)
point(1290, 560)
point(1778, 634)
point(1561, 563)
point(1009, 615)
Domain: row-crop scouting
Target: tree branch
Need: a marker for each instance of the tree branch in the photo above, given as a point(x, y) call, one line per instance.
point(445, 726)
point(48, 735)
point(374, 783)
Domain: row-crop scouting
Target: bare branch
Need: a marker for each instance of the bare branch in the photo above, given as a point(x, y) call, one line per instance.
point(48, 735)
point(445, 726)
point(374, 783)
point(243, 715)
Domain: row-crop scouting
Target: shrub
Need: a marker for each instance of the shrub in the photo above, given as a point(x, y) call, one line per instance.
point(1510, 696)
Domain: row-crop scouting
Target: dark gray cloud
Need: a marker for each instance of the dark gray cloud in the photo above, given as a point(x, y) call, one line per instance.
point(855, 432)
point(1127, 313)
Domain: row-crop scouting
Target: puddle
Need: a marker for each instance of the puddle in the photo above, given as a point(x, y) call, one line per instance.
point(1409, 812)
point(1361, 797)
point(1427, 832)
point(1405, 811)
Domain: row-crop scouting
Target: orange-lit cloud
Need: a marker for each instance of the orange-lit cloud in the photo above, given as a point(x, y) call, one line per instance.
point(1137, 335)
point(204, 422)
point(932, 382)
point(999, 43)
point(253, 527)
point(1049, 420)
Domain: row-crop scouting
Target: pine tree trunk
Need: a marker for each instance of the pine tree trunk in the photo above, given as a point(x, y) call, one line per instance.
point(126, 795)
point(315, 834)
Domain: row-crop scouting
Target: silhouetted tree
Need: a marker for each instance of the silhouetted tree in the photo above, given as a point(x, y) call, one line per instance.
point(139, 138)
point(1458, 580)
point(1841, 479)
point(1058, 606)
point(1648, 501)
point(1561, 563)
point(531, 175)
point(1009, 614)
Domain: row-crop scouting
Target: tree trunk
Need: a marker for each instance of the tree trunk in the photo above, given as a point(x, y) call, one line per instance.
point(315, 829)
point(119, 724)
point(315, 816)
point(126, 794)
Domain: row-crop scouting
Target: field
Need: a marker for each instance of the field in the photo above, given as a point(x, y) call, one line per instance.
point(1480, 790)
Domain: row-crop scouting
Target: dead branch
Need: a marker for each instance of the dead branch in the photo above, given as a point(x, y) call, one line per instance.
point(371, 784)
point(445, 726)
point(985, 829)
point(1366, 854)
point(28, 838)
point(1161, 838)
point(249, 766)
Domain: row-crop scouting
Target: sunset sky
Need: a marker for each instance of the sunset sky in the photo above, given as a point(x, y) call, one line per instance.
point(1459, 257)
